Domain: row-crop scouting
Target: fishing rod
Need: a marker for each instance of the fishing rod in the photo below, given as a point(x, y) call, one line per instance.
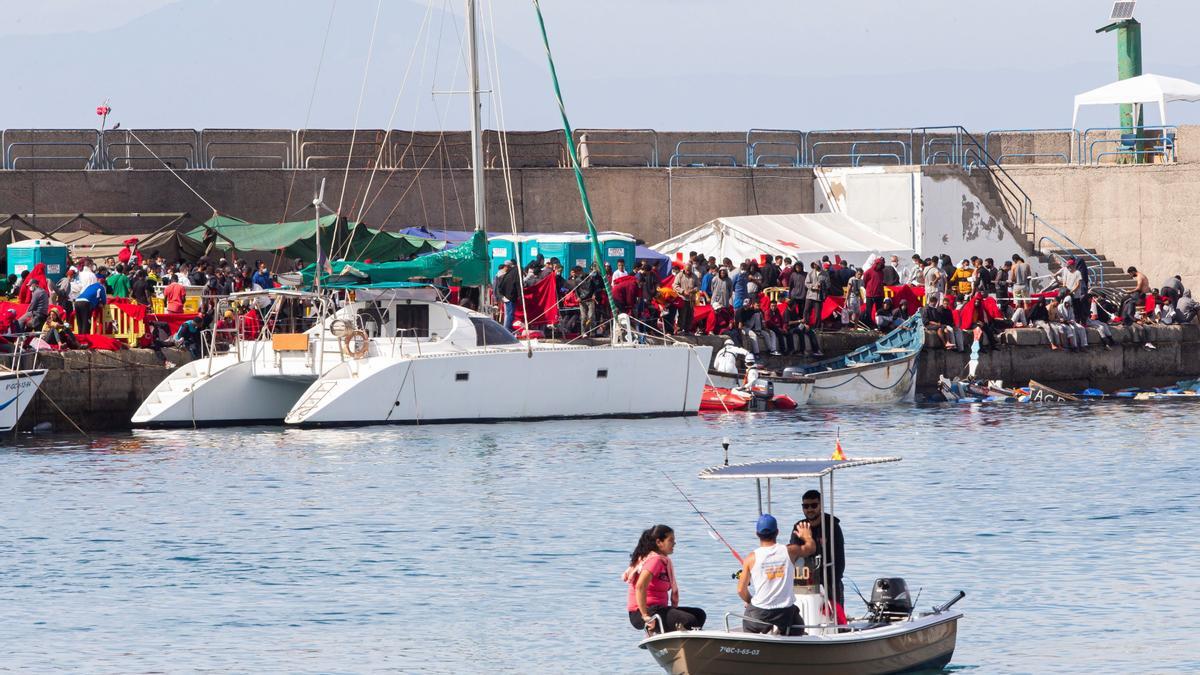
point(712, 529)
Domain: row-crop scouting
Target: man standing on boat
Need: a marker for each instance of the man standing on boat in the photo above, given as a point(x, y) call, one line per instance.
point(508, 288)
point(817, 525)
point(771, 569)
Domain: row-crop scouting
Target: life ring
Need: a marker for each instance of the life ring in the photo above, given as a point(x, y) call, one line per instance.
point(364, 343)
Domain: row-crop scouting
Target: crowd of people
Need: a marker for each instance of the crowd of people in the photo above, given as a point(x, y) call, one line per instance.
point(770, 578)
point(777, 305)
point(63, 312)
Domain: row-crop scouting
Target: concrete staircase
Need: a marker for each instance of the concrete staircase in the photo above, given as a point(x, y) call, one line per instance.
point(992, 198)
point(1107, 273)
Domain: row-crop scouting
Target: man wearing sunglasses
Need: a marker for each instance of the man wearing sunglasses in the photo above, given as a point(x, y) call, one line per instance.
point(818, 526)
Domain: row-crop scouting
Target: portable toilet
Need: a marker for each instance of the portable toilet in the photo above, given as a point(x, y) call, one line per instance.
point(555, 246)
point(616, 246)
point(23, 255)
point(501, 249)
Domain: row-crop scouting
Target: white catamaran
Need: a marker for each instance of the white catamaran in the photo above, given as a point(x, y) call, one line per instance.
point(450, 363)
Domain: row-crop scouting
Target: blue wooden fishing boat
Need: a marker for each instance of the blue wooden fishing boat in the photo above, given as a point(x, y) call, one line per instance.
point(881, 372)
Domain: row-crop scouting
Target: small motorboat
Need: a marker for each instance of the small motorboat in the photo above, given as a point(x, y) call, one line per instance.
point(796, 388)
point(881, 372)
point(17, 388)
point(721, 399)
point(891, 638)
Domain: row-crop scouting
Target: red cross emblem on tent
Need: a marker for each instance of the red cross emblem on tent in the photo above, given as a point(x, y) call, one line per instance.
point(789, 244)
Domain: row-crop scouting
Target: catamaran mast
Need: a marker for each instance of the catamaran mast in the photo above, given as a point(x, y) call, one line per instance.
point(478, 189)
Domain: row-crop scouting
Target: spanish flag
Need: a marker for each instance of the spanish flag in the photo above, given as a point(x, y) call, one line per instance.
point(837, 450)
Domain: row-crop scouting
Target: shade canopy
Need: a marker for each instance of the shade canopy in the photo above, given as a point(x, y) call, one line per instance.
point(298, 239)
point(467, 262)
point(799, 236)
point(790, 468)
point(1154, 89)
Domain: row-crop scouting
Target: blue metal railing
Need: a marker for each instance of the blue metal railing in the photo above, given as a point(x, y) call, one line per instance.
point(1145, 141)
point(795, 154)
point(677, 158)
point(793, 148)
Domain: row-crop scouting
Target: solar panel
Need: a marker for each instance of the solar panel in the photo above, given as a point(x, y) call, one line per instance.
point(1122, 10)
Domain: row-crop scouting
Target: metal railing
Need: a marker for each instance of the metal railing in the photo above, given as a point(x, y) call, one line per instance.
point(759, 147)
point(1144, 142)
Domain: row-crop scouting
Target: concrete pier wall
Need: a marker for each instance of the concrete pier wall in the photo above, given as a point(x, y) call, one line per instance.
point(646, 202)
point(1147, 216)
point(101, 390)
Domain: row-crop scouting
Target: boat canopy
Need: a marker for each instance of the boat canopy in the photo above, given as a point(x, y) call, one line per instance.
point(790, 468)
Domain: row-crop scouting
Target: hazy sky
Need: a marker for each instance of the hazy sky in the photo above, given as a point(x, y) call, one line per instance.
point(662, 64)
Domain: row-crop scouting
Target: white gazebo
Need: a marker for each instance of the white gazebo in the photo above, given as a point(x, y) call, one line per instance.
point(1140, 90)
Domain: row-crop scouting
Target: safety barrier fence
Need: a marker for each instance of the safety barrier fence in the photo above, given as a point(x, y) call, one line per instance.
point(119, 149)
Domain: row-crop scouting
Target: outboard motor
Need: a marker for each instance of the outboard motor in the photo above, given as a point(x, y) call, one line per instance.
point(761, 392)
point(890, 600)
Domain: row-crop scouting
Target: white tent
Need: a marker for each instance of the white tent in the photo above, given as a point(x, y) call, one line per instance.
point(800, 236)
point(1141, 89)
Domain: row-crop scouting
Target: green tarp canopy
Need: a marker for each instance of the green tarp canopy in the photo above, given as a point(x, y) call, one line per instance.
point(468, 261)
point(298, 239)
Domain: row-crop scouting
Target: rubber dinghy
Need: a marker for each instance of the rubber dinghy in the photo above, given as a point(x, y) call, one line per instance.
point(881, 372)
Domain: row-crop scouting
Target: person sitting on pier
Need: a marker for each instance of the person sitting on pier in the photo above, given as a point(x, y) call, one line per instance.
point(800, 331)
point(1098, 318)
point(941, 320)
point(58, 332)
point(1039, 317)
point(1186, 307)
point(1070, 319)
point(771, 569)
point(1132, 321)
point(39, 305)
point(653, 589)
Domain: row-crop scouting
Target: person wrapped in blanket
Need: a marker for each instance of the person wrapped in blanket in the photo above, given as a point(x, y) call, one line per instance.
point(57, 332)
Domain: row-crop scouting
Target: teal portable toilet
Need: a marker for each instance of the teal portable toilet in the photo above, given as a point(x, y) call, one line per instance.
point(23, 255)
point(530, 247)
point(502, 249)
point(616, 246)
point(556, 246)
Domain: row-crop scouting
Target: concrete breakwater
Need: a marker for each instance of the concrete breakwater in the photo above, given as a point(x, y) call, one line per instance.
point(101, 390)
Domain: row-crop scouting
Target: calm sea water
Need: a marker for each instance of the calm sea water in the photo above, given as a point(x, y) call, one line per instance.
point(498, 548)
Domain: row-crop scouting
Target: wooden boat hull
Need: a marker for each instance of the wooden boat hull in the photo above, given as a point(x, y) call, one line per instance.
point(925, 643)
point(885, 382)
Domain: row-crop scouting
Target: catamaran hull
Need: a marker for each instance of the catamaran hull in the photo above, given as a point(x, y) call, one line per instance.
point(231, 394)
point(898, 648)
point(16, 391)
point(887, 382)
point(509, 384)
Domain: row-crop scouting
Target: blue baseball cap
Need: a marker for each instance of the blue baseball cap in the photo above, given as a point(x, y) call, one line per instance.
point(767, 525)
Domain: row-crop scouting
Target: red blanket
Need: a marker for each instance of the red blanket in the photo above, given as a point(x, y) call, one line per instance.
point(103, 342)
point(173, 321)
point(966, 315)
point(541, 300)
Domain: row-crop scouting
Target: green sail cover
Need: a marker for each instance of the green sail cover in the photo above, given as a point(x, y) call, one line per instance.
point(468, 261)
point(298, 239)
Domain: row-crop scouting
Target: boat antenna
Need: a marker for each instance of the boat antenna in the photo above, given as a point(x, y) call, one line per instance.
point(712, 529)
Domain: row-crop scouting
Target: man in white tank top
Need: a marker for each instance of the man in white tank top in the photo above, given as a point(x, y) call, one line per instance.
point(765, 584)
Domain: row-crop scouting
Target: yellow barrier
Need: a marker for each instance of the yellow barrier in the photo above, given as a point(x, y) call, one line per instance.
point(128, 328)
point(191, 304)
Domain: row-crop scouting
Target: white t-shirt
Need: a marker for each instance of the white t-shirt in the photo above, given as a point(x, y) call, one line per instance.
point(617, 274)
